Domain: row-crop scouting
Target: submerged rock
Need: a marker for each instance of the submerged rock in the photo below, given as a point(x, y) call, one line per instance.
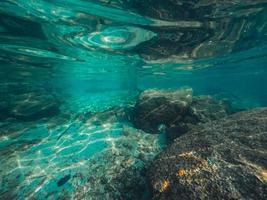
point(206, 109)
point(33, 106)
point(26, 102)
point(175, 112)
point(223, 159)
point(161, 107)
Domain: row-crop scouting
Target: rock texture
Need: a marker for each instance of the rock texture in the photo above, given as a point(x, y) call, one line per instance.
point(175, 111)
point(223, 159)
point(157, 107)
point(33, 106)
point(29, 106)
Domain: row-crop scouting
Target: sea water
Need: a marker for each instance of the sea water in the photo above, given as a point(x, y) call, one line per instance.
point(64, 65)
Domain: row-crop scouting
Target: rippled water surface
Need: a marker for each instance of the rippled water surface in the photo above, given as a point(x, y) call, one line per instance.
point(66, 65)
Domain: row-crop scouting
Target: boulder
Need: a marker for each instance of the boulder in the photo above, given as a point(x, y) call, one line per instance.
point(222, 159)
point(161, 107)
point(202, 109)
point(175, 112)
point(33, 106)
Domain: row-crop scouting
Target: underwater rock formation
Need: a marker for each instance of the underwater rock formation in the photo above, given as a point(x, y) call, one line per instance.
point(29, 106)
point(175, 112)
point(157, 107)
point(223, 159)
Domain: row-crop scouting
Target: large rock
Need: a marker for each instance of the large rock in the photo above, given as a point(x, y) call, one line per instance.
point(33, 106)
point(223, 159)
point(175, 112)
point(160, 107)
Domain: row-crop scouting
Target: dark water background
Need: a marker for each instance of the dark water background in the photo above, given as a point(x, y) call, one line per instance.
point(82, 56)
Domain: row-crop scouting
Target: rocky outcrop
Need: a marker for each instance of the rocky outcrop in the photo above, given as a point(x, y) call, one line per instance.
point(29, 106)
point(33, 106)
point(223, 159)
point(175, 112)
point(160, 107)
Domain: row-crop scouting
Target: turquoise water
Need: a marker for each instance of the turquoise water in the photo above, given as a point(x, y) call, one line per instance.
point(65, 66)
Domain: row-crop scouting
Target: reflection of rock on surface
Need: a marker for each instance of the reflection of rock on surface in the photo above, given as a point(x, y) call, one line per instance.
point(177, 110)
point(224, 159)
point(199, 28)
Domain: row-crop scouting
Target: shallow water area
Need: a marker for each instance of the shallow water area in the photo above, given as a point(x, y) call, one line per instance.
point(54, 158)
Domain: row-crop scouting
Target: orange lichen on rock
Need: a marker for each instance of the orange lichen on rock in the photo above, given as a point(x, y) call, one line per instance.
point(163, 186)
point(201, 164)
point(187, 154)
point(262, 175)
point(181, 172)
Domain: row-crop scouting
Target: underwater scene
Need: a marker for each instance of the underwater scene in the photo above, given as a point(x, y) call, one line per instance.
point(133, 99)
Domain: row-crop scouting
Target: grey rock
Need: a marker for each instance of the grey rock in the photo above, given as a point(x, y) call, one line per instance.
point(222, 159)
point(33, 106)
point(175, 112)
point(157, 107)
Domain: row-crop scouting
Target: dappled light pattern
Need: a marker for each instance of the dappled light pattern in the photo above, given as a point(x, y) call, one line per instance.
point(55, 158)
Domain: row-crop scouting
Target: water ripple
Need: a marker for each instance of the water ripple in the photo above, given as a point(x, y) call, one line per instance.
point(116, 38)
